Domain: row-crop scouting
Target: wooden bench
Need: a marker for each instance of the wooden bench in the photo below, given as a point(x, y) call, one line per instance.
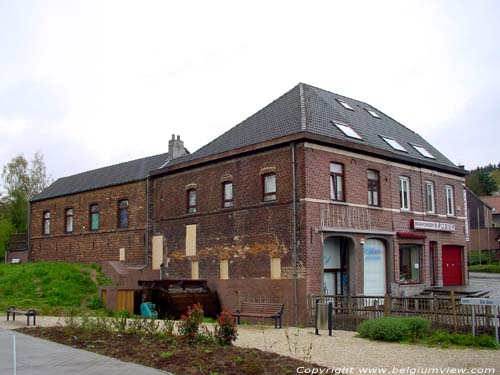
point(260, 310)
point(29, 313)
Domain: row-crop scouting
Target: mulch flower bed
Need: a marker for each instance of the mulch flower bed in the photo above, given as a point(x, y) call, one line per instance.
point(172, 354)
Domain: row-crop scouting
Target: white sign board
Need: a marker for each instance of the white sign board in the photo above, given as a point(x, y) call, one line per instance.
point(433, 225)
point(481, 301)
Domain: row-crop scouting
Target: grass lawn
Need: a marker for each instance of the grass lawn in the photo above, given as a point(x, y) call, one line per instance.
point(490, 268)
point(51, 288)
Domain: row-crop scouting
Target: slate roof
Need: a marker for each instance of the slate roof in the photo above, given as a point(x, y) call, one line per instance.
point(309, 109)
point(304, 108)
point(117, 174)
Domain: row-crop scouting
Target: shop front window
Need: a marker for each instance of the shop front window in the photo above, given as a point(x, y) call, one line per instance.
point(409, 264)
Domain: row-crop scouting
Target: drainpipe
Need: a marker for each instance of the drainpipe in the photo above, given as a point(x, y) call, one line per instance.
point(29, 233)
point(294, 234)
point(147, 222)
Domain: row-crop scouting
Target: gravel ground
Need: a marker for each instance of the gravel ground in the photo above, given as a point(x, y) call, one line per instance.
point(343, 350)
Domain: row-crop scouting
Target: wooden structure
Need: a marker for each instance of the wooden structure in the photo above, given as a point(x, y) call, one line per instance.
point(445, 312)
point(28, 313)
point(260, 311)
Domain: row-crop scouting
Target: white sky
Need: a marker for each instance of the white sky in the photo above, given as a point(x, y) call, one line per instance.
point(93, 83)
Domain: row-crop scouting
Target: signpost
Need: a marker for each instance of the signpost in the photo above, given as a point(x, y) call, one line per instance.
point(493, 302)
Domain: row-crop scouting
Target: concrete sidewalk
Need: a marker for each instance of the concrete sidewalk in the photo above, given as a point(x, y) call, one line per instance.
point(40, 357)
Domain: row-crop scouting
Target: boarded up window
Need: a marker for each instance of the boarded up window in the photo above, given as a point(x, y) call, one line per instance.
point(194, 270)
point(275, 268)
point(224, 269)
point(191, 240)
point(157, 252)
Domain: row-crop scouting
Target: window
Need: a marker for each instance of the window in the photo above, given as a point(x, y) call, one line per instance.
point(269, 187)
point(191, 201)
point(394, 144)
point(345, 105)
point(373, 187)
point(337, 182)
point(404, 193)
point(429, 197)
point(422, 151)
point(347, 130)
point(372, 112)
point(227, 194)
point(46, 222)
point(450, 201)
point(409, 264)
point(94, 217)
point(69, 220)
point(123, 213)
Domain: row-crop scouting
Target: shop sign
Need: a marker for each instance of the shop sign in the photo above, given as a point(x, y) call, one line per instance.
point(433, 225)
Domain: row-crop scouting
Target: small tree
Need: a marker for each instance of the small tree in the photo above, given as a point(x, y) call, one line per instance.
point(6, 230)
point(189, 326)
point(225, 330)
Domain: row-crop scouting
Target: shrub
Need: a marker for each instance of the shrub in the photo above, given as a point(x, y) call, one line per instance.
point(393, 329)
point(94, 303)
point(491, 268)
point(189, 325)
point(225, 331)
point(445, 339)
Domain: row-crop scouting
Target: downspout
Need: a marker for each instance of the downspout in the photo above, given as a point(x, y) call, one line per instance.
point(294, 234)
point(29, 232)
point(147, 222)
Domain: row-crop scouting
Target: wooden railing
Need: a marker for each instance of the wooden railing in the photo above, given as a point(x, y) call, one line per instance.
point(443, 312)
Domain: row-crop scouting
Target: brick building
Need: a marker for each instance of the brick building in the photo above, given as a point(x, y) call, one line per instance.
point(315, 193)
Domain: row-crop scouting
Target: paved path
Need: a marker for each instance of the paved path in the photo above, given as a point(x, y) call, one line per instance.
point(40, 357)
point(486, 281)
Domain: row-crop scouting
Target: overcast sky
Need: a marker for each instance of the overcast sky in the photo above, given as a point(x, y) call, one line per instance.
point(93, 83)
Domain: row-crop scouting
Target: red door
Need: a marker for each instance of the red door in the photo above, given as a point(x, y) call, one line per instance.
point(452, 265)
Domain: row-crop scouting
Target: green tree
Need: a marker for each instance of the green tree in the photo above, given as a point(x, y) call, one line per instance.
point(481, 182)
point(22, 180)
point(495, 175)
point(6, 230)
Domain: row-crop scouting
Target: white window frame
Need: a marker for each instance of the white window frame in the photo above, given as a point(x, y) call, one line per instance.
point(450, 200)
point(433, 197)
point(402, 182)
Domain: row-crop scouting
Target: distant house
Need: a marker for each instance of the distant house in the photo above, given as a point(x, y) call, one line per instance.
point(482, 231)
point(315, 193)
point(494, 203)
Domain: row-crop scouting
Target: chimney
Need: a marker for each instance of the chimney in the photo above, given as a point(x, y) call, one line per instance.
point(175, 147)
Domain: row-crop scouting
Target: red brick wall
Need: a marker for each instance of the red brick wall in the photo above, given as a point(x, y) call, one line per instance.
point(390, 218)
point(84, 245)
point(246, 234)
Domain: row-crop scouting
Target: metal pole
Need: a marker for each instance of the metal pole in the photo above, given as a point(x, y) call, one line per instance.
point(330, 318)
point(496, 324)
point(316, 331)
point(473, 320)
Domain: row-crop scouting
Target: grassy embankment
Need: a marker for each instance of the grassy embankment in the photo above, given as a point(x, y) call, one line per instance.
point(52, 288)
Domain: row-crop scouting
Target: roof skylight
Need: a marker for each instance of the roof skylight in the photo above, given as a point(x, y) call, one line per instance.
point(394, 144)
point(347, 130)
point(345, 105)
point(372, 112)
point(423, 151)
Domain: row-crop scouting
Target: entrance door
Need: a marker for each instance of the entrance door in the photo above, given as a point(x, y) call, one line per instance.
point(335, 266)
point(374, 268)
point(452, 265)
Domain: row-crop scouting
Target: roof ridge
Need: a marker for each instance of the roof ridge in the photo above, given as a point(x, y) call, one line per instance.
point(241, 122)
point(112, 165)
point(303, 118)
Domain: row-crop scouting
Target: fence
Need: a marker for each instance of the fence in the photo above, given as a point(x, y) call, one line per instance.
point(487, 256)
point(443, 312)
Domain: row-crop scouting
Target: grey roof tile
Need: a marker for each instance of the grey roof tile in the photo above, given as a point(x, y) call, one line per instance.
point(117, 174)
point(308, 108)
